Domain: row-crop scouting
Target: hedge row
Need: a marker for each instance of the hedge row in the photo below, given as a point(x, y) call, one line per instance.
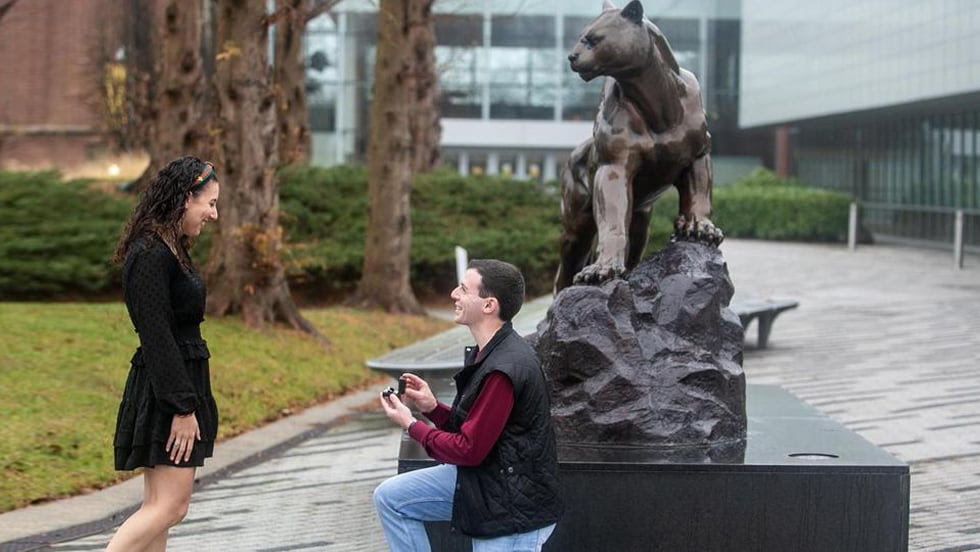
point(56, 237)
point(763, 206)
point(324, 220)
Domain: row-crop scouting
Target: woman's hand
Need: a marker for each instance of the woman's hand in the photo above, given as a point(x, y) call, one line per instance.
point(418, 391)
point(184, 431)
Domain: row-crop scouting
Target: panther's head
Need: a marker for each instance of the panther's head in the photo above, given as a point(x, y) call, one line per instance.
point(617, 42)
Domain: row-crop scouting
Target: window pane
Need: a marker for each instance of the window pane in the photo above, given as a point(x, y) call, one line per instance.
point(522, 67)
point(532, 31)
point(461, 77)
point(319, 49)
point(459, 30)
point(522, 83)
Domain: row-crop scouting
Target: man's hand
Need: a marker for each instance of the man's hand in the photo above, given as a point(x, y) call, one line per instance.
point(418, 391)
point(397, 411)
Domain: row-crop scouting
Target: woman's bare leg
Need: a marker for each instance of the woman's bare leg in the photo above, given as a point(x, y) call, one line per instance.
point(159, 544)
point(166, 495)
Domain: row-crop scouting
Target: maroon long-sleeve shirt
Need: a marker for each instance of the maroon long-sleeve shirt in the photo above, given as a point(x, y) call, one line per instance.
point(480, 430)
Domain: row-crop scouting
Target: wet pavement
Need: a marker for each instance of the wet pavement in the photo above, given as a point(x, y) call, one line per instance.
point(886, 340)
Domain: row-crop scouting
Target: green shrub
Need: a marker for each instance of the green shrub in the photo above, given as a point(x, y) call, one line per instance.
point(662, 221)
point(324, 218)
point(782, 213)
point(514, 220)
point(55, 237)
point(761, 177)
point(764, 206)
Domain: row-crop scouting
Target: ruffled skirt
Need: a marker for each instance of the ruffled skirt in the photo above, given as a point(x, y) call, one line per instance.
point(142, 427)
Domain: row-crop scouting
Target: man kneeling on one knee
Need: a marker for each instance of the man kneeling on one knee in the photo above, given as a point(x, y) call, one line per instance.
point(498, 477)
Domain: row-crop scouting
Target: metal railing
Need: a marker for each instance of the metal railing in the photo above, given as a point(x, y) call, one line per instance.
point(955, 218)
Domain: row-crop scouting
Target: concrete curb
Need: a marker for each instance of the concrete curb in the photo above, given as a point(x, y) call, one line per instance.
point(34, 526)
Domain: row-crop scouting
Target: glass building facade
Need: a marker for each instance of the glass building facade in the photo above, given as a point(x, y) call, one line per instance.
point(877, 99)
point(509, 103)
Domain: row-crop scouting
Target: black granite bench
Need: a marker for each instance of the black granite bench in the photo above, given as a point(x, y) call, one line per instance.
point(800, 481)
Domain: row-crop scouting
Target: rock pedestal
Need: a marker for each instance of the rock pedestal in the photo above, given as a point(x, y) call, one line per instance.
point(654, 360)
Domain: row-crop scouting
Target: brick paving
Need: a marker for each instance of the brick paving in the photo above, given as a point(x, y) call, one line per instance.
point(313, 496)
point(886, 341)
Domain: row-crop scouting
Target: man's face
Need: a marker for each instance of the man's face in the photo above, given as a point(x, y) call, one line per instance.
point(469, 306)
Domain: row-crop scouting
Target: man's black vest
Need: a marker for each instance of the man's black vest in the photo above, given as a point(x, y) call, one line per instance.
point(515, 489)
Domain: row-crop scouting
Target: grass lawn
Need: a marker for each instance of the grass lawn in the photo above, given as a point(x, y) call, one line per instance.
point(63, 367)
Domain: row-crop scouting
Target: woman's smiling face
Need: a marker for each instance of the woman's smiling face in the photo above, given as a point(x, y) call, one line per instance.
point(200, 208)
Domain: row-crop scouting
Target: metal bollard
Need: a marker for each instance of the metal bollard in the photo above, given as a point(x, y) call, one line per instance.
point(461, 262)
point(852, 223)
point(958, 240)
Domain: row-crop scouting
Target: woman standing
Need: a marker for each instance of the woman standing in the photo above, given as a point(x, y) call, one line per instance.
point(167, 419)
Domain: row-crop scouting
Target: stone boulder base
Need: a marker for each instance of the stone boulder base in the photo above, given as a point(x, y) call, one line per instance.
point(654, 360)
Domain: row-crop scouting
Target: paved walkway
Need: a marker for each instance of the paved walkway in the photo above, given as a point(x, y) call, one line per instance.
point(886, 340)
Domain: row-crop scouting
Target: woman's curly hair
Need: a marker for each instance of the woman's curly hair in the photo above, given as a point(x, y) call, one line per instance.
point(161, 207)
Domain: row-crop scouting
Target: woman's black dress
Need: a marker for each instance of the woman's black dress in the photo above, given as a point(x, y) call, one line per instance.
point(169, 373)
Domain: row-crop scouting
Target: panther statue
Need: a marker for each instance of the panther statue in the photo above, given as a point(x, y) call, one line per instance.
point(650, 133)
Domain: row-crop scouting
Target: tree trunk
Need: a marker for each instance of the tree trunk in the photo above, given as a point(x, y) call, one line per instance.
point(290, 79)
point(245, 272)
point(425, 128)
point(170, 102)
point(404, 29)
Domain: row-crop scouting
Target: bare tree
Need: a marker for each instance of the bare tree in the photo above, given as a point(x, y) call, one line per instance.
point(290, 19)
point(245, 272)
point(290, 80)
point(405, 31)
point(167, 84)
point(424, 123)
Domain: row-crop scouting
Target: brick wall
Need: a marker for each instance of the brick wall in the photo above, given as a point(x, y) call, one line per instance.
point(50, 77)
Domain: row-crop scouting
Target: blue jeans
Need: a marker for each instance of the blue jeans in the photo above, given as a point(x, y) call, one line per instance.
point(407, 500)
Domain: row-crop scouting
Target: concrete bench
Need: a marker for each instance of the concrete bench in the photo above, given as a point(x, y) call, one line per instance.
point(763, 310)
point(441, 355)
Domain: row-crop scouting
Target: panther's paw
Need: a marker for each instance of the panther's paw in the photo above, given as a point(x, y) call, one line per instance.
point(599, 272)
point(692, 228)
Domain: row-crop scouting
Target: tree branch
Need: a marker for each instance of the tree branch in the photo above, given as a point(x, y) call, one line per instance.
point(298, 16)
point(5, 7)
point(320, 7)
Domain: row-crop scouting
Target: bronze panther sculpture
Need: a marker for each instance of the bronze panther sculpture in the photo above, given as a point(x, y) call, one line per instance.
point(650, 133)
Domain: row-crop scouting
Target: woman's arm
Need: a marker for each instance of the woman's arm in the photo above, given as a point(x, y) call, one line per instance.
point(148, 300)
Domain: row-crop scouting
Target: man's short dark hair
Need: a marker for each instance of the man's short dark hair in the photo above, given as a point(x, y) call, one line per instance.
point(502, 281)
